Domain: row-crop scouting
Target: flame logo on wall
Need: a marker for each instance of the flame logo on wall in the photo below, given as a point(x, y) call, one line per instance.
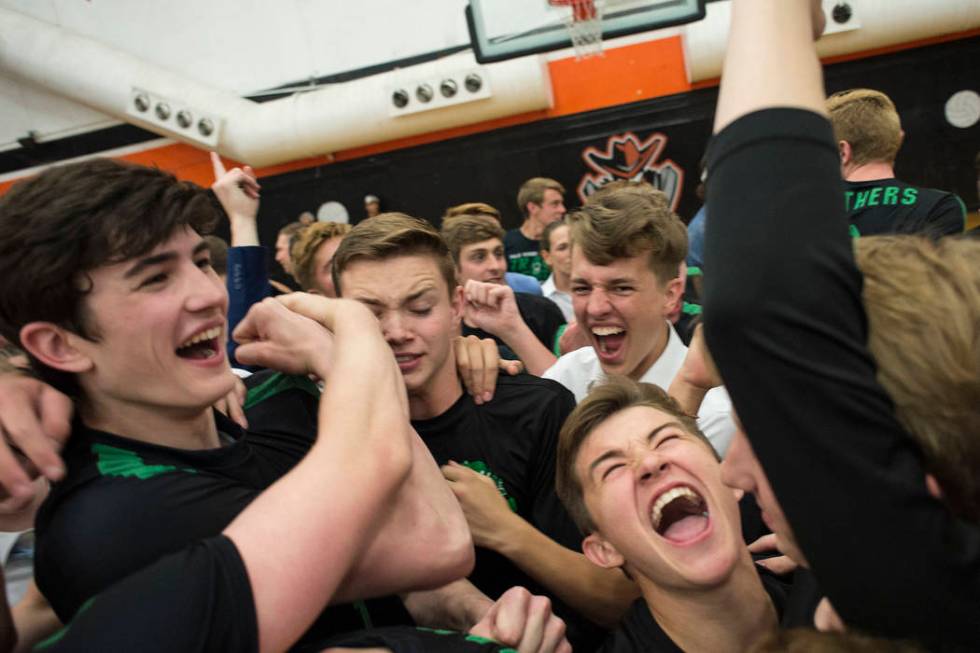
point(627, 157)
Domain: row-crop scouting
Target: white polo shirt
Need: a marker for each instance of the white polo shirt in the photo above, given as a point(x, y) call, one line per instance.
point(580, 369)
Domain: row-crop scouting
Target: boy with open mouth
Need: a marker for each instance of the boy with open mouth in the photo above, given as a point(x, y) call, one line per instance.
point(644, 485)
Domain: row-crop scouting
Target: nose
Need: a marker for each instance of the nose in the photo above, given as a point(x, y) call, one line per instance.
point(206, 290)
point(394, 329)
point(650, 466)
point(598, 303)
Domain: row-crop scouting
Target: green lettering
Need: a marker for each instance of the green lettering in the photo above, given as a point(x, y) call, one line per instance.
point(909, 196)
point(873, 199)
point(862, 199)
point(854, 231)
point(847, 199)
point(891, 196)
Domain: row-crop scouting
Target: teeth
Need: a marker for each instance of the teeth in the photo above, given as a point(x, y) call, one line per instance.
point(402, 358)
point(210, 334)
point(674, 493)
point(607, 330)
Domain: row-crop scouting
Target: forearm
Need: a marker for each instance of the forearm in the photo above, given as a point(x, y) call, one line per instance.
point(456, 606)
point(34, 620)
point(244, 230)
point(770, 60)
point(600, 595)
point(689, 396)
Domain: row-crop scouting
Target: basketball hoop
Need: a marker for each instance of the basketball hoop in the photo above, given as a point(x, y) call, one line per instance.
point(584, 25)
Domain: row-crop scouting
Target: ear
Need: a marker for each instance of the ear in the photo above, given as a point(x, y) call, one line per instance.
point(933, 487)
point(601, 553)
point(55, 346)
point(673, 292)
point(845, 152)
point(531, 209)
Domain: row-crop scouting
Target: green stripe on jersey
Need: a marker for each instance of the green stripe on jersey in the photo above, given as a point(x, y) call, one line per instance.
point(277, 383)
point(113, 461)
point(57, 637)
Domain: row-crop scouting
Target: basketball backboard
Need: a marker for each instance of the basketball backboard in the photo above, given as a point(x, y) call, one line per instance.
point(504, 29)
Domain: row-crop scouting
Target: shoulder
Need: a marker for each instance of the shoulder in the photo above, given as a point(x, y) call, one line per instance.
point(538, 389)
point(579, 363)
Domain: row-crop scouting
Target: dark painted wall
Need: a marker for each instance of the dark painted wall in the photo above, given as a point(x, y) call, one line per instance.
point(489, 167)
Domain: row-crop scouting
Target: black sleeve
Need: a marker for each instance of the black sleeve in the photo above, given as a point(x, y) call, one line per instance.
point(197, 600)
point(784, 320)
point(548, 514)
point(542, 316)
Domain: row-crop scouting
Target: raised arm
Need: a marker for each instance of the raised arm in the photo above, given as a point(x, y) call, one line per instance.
point(788, 334)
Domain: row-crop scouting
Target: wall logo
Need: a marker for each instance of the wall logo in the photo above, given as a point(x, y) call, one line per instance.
point(628, 157)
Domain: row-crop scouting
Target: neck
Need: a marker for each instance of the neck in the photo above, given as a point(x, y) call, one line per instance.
point(869, 171)
point(654, 354)
point(532, 229)
point(188, 429)
point(438, 396)
point(692, 619)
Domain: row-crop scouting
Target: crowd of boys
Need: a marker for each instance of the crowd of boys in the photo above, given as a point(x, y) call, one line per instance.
point(428, 451)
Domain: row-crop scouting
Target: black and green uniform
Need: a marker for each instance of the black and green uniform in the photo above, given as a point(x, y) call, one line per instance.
point(200, 599)
point(124, 504)
point(890, 206)
point(513, 439)
point(540, 314)
point(524, 255)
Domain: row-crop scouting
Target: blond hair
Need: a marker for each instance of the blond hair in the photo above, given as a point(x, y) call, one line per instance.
point(923, 305)
point(390, 235)
point(628, 222)
point(615, 394)
point(472, 208)
point(869, 122)
point(303, 251)
point(640, 188)
point(532, 191)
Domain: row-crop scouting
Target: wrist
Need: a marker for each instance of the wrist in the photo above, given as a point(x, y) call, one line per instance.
point(509, 535)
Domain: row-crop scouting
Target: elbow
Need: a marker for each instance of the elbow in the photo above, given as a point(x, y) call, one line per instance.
point(455, 556)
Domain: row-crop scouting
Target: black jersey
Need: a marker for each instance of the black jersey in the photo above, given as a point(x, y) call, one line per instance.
point(524, 255)
point(513, 440)
point(890, 206)
point(540, 314)
point(196, 600)
point(404, 639)
point(639, 632)
point(124, 503)
point(847, 475)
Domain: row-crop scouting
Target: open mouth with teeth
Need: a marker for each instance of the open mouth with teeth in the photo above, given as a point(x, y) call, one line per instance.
point(202, 346)
point(680, 515)
point(609, 341)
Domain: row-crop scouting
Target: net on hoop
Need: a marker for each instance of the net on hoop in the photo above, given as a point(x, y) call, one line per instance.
point(584, 25)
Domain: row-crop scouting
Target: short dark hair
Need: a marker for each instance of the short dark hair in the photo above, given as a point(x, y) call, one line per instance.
point(615, 394)
point(461, 230)
point(389, 235)
point(58, 226)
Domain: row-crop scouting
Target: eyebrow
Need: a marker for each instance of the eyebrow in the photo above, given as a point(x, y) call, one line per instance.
point(372, 301)
point(157, 259)
point(612, 453)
